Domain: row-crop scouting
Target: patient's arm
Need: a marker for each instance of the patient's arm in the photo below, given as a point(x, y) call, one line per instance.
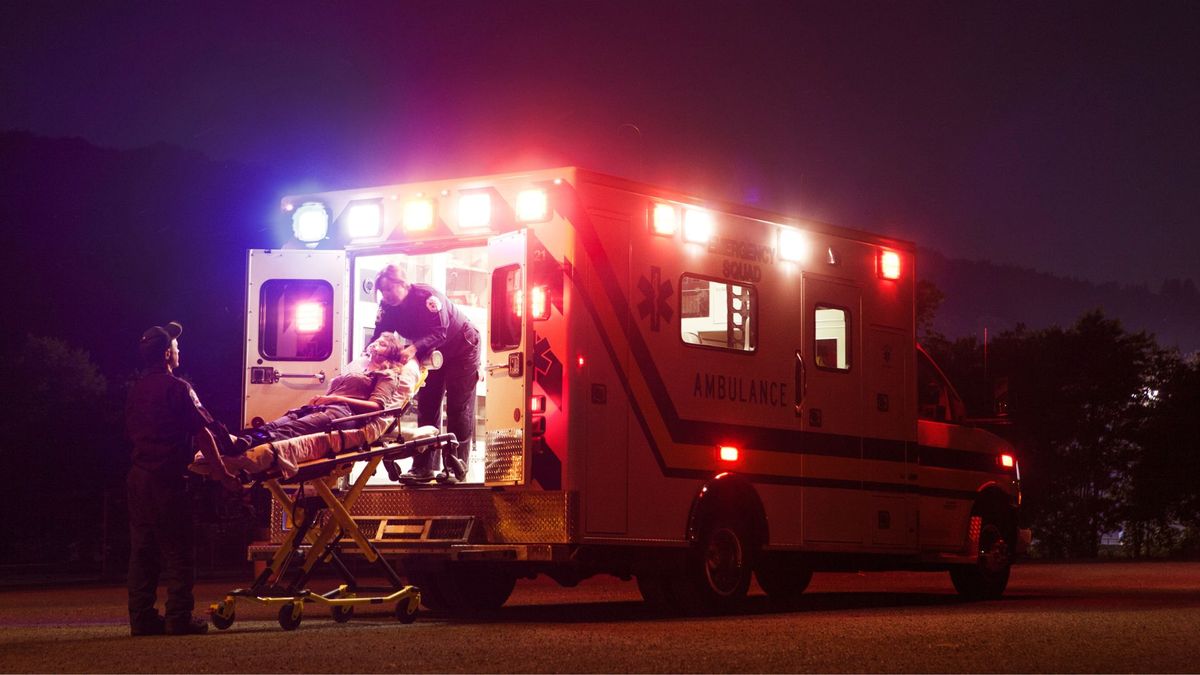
point(208, 448)
point(357, 405)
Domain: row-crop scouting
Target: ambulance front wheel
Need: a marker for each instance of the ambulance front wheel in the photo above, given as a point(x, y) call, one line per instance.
point(988, 577)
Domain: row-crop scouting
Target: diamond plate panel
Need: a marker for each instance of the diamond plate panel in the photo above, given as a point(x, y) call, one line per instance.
point(517, 517)
point(504, 459)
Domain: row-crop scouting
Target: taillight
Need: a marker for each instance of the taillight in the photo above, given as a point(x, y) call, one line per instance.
point(539, 303)
point(537, 404)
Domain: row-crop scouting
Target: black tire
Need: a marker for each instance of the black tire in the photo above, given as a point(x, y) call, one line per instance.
point(717, 570)
point(288, 620)
point(783, 579)
point(406, 610)
point(431, 595)
point(988, 577)
point(656, 591)
point(341, 613)
point(465, 589)
point(220, 621)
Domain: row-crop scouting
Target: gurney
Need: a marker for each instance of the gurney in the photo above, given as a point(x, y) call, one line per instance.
point(314, 539)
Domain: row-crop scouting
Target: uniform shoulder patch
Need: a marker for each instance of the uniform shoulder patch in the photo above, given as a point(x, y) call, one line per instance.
point(433, 304)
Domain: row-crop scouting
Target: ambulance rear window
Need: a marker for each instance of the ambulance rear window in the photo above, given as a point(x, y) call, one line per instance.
point(295, 320)
point(832, 348)
point(717, 313)
point(508, 302)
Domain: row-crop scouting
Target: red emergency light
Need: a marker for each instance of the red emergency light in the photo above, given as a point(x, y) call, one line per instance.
point(728, 453)
point(889, 265)
point(1007, 461)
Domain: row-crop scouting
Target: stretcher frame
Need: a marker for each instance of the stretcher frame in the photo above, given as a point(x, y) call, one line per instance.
point(325, 539)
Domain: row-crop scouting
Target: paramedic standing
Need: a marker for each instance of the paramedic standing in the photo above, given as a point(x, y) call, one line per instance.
point(424, 316)
point(163, 415)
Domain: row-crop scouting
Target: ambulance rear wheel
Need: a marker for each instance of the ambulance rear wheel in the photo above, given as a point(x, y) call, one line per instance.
point(988, 577)
point(290, 616)
point(783, 578)
point(717, 570)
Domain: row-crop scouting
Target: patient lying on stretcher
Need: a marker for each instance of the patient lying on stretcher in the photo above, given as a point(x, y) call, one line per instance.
point(386, 380)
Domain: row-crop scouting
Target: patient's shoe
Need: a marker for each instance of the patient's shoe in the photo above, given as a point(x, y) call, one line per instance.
point(417, 478)
point(192, 625)
point(241, 444)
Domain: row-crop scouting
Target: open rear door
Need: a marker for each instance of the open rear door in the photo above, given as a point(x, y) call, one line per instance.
point(294, 308)
point(506, 365)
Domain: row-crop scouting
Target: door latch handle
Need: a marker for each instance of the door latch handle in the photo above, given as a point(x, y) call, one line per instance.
point(269, 375)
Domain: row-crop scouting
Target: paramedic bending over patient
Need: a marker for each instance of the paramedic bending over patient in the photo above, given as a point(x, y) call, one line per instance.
point(422, 314)
point(387, 381)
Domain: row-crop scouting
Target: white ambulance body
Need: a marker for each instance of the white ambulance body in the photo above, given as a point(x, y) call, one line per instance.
point(674, 390)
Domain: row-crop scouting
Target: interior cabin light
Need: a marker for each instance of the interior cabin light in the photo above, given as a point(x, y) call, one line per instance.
point(474, 210)
point(793, 245)
point(310, 222)
point(533, 206)
point(310, 317)
point(364, 220)
point(697, 226)
point(665, 219)
point(418, 215)
point(889, 265)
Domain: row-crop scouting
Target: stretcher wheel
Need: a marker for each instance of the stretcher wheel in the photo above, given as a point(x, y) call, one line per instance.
point(341, 613)
point(290, 616)
point(406, 610)
point(220, 618)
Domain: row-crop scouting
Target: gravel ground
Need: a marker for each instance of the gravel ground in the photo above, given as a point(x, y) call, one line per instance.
point(1115, 617)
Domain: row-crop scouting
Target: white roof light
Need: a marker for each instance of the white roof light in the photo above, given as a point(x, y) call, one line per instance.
point(474, 210)
point(697, 226)
point(533, 206)
point(793, 245)
point(310, 222)
point(666, 219)
point(364, 220)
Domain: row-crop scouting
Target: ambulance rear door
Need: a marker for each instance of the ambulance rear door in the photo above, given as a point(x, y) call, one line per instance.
point(294, 320)
point(506, 362)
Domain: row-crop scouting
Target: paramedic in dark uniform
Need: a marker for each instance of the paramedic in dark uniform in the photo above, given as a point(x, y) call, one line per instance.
point(424, 316)
point(163, 416)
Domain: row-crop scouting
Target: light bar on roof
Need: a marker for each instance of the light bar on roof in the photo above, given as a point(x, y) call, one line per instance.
point(474, 210)
point(364, 219)
point(533, 206)
point(418, 215)
point(310, 222)
point(697, 226)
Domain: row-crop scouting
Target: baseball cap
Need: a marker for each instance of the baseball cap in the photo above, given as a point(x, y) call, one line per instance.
point(158, 338)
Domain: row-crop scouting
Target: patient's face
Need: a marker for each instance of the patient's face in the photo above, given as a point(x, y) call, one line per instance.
point(385, 347)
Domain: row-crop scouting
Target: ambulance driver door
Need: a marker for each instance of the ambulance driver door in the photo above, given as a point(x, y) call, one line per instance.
point(506, 363)
point(294, 308)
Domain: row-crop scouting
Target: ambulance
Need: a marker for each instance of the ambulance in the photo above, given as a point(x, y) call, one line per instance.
point(675, 390)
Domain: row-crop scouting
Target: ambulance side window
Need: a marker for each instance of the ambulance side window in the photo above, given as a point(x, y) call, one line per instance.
point(832, 330)
point(295, 320)
point(508, 301)
point(717, 313)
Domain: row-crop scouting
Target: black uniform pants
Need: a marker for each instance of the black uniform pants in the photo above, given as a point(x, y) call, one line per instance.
point(162, 545)
point(455, 380)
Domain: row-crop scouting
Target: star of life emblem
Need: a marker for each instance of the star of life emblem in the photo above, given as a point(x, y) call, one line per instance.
point(433, 304)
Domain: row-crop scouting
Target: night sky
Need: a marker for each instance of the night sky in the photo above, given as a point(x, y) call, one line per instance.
point(1052, 135)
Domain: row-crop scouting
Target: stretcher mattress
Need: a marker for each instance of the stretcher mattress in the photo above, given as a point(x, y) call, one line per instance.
point(287, 455)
